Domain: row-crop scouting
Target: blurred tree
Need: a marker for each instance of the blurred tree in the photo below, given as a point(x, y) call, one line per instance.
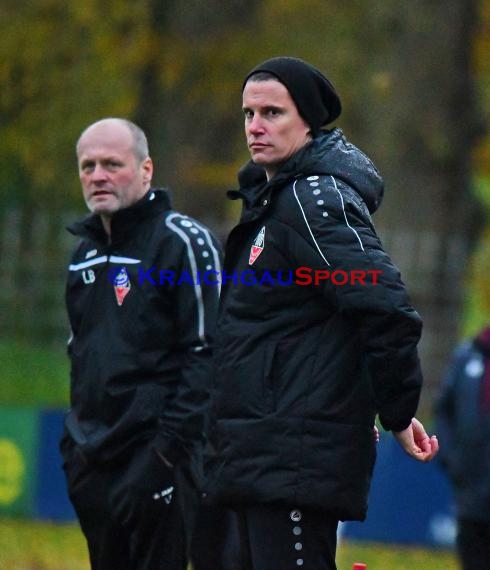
point(405, 72)
point(63, 66)
point(422, 121)
point(67, 64)
point(189, 97)
point(481, 69)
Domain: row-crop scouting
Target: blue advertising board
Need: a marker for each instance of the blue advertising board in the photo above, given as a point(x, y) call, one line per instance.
point(410, 502)
point(32, 483)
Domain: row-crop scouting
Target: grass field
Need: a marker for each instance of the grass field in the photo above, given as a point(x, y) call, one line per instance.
point(42, 546)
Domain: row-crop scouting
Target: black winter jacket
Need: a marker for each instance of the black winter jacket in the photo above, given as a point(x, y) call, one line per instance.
point(303, 369)
point(141, 364)
point(463, 427)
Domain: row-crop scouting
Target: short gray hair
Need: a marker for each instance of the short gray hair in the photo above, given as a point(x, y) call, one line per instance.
point(140, 142)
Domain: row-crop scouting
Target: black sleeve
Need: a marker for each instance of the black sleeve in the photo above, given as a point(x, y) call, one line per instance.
point(196, 304)
point(445, 409)
point(338, 236)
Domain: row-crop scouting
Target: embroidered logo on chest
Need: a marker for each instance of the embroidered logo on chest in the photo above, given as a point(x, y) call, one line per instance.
point(257, 247)
point(122, 285)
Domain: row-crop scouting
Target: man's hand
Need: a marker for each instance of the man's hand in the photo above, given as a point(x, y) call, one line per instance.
point(415, 441)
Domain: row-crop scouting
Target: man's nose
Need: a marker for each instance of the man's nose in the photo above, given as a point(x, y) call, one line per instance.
point(99, 172)
point(256, 124)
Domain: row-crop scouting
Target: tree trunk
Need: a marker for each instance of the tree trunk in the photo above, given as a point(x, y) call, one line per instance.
point(184, 102)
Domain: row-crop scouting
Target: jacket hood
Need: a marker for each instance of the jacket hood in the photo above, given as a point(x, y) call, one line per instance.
point(332, 154)
point(328, 154)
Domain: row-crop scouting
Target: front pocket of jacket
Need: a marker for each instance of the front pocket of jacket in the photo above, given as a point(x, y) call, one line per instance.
point(269, 387)
point(245, 388)
point(288, 376)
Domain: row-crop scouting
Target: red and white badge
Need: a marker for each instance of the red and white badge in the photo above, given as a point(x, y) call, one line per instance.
point(122, 285)
point(257, 247)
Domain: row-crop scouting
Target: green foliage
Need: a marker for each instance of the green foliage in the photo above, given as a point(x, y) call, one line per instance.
point(177, 67)
point(33, 376)
point(68, 63)
point(477, 314)
point(71, 63)
point(482, 70)
point(477, 302)
point(482, 191)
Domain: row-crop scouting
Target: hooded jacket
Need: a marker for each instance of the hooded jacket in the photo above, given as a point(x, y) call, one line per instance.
point(307, 351)
point(140, 349)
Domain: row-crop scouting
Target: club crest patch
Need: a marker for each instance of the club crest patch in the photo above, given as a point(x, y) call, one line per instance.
point(122, 285)
point(257, 246)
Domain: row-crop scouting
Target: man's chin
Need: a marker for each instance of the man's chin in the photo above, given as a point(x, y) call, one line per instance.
point(102, 210)
point(260, 159)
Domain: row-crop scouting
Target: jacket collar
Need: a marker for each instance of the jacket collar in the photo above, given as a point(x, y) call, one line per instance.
point(124, 222)
point(255, 191)
point(328, 154)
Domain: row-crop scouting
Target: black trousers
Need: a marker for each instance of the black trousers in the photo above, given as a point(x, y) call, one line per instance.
point(215, 540)
point(288, 538)
point(473, 543)
point(137, 514)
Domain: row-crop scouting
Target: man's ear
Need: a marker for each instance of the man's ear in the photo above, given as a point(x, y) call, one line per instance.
point(147, 166)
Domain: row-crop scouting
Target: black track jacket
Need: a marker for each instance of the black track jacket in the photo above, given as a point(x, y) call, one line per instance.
point(304, 368)
point(141, 365)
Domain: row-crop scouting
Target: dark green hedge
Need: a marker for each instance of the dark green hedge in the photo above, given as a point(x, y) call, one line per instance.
point(32, 375)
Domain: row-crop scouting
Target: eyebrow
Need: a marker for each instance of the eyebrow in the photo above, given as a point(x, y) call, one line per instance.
point(104, 159)
point(265, 108)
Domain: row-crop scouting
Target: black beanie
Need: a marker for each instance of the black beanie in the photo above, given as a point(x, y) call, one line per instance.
point(314, 95)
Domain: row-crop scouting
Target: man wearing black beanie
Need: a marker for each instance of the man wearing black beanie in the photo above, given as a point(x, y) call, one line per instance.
point(316, 336)
point(313, 94)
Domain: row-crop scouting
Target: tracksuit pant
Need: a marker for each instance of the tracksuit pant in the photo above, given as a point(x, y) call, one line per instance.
point(273, 537)
point(473, 544)
point(136, 514)
point(215, 541)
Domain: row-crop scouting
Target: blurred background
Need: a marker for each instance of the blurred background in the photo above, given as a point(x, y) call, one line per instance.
point(414, 78)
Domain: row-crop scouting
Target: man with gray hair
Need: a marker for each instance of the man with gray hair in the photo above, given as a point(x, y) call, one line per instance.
point(140, 354)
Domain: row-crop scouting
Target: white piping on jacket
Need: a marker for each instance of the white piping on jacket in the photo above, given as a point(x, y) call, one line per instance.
point(192, 261)
point(308, 225)
point(103, 259)
point(345, 215)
